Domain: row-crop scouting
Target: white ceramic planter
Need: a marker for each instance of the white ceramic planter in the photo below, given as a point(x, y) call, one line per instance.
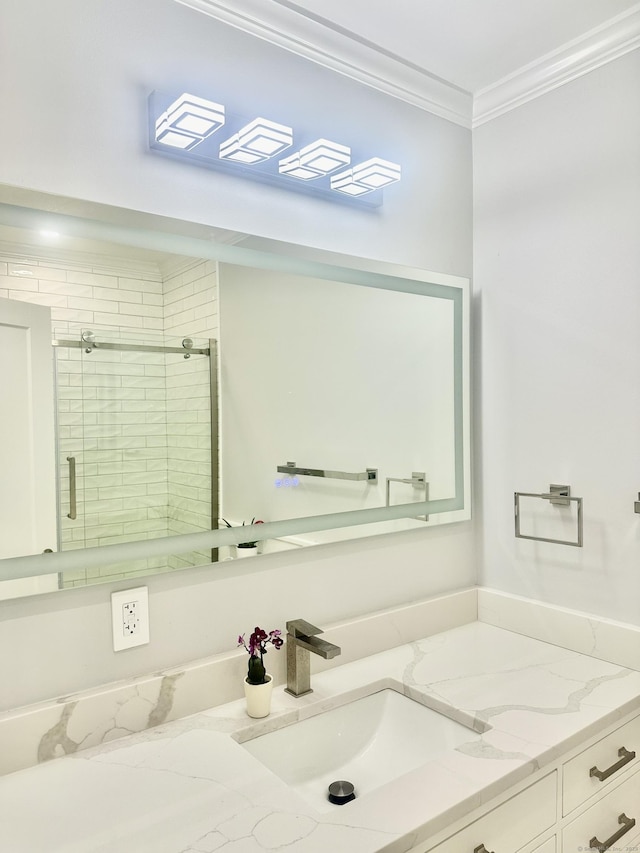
point(246, 552)
point(258, 698)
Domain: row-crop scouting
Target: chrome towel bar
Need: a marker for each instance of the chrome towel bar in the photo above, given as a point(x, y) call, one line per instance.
point(370, 475)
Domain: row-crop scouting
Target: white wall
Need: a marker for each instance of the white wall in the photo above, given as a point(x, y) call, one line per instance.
point(557, 271)
point(62, 641)
point(85, 137)
point(370, 387)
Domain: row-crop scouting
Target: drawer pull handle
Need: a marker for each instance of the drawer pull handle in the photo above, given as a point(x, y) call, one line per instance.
point(625, 758)
point(627, 824)
point(481, 849)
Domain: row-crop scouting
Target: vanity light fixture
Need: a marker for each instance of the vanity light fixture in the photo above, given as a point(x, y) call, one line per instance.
point(315, 160)
point(257, 141)
point(184, 127)
point(371, 175)
point(187, 121)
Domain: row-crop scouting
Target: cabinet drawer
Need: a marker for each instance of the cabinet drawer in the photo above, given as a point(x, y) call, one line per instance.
point(549, 846)
point(578, 785)
point(609, 819)
point(510, 826)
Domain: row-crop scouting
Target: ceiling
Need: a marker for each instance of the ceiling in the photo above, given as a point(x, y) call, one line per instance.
point(471, 44)
point(465, 60)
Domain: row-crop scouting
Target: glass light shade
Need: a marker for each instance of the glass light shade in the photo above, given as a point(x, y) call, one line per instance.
point(344, 183)
point(189, 120)
point(370, 175)
point(315, 160)
point(257, 141)
point(168, 136)
point(292, 167)
point(377, 173)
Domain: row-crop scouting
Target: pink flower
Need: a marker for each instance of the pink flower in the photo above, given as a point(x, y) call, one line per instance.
point(259, 640)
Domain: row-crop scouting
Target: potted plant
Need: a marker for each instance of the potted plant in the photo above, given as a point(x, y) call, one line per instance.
point(250, 547)
point(258, 685)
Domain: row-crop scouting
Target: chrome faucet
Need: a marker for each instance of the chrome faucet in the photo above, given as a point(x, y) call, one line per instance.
point(301, 640)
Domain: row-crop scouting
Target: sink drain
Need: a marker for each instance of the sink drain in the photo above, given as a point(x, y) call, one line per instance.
point(341, 792)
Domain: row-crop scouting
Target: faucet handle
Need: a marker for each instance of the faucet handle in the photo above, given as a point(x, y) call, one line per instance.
point(302, 628)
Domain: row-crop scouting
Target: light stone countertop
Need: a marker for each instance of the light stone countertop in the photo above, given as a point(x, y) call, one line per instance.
point(189, 787)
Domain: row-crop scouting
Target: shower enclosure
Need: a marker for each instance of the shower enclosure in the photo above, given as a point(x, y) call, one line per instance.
point(137, 443)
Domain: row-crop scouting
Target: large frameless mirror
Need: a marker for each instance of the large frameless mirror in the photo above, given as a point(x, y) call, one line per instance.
point(194, 400)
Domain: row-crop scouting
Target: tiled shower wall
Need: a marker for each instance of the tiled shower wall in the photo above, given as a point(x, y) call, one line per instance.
point(111, 405)
point(190, 309)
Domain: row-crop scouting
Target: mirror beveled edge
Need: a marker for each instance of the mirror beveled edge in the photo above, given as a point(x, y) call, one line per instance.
point(90, 220)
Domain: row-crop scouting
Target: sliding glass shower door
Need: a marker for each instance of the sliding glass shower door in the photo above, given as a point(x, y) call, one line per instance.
point(135, 444)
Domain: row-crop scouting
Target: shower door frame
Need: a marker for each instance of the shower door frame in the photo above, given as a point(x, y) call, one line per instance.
point(211, 351)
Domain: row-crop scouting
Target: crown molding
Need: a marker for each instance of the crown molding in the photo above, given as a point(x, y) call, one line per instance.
point(294, 29)
point(342, 51)
point(574, 59)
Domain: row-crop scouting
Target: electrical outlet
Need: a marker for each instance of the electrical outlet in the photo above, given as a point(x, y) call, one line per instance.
point(130, 618)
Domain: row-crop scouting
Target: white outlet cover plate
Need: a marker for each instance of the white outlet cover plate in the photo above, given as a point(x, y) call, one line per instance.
point(139, 598)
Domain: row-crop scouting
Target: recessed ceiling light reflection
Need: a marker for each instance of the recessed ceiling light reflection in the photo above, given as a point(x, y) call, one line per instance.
point(189, 120)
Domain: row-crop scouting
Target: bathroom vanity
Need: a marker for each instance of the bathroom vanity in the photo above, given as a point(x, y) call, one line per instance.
point(539, 717)
point(573, 807)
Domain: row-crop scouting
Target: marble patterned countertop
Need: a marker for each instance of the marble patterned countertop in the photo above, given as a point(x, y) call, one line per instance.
point(189, 787)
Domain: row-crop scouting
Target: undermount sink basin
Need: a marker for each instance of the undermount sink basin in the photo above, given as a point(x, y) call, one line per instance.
point(367, 742)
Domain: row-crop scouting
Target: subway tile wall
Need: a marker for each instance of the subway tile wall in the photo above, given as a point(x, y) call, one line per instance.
point(138, 424)
point(190, 309)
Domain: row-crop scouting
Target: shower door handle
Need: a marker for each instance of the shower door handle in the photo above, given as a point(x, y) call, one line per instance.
point(72, 487)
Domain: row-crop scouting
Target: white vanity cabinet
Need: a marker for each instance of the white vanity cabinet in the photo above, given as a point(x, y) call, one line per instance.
point(605, 776)
point(589, 797)
point(549, 846)
point(612, 822)
point(599, 765)
point(511, 825)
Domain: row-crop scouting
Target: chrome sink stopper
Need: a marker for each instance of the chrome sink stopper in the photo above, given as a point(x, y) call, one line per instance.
point(341, 792)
